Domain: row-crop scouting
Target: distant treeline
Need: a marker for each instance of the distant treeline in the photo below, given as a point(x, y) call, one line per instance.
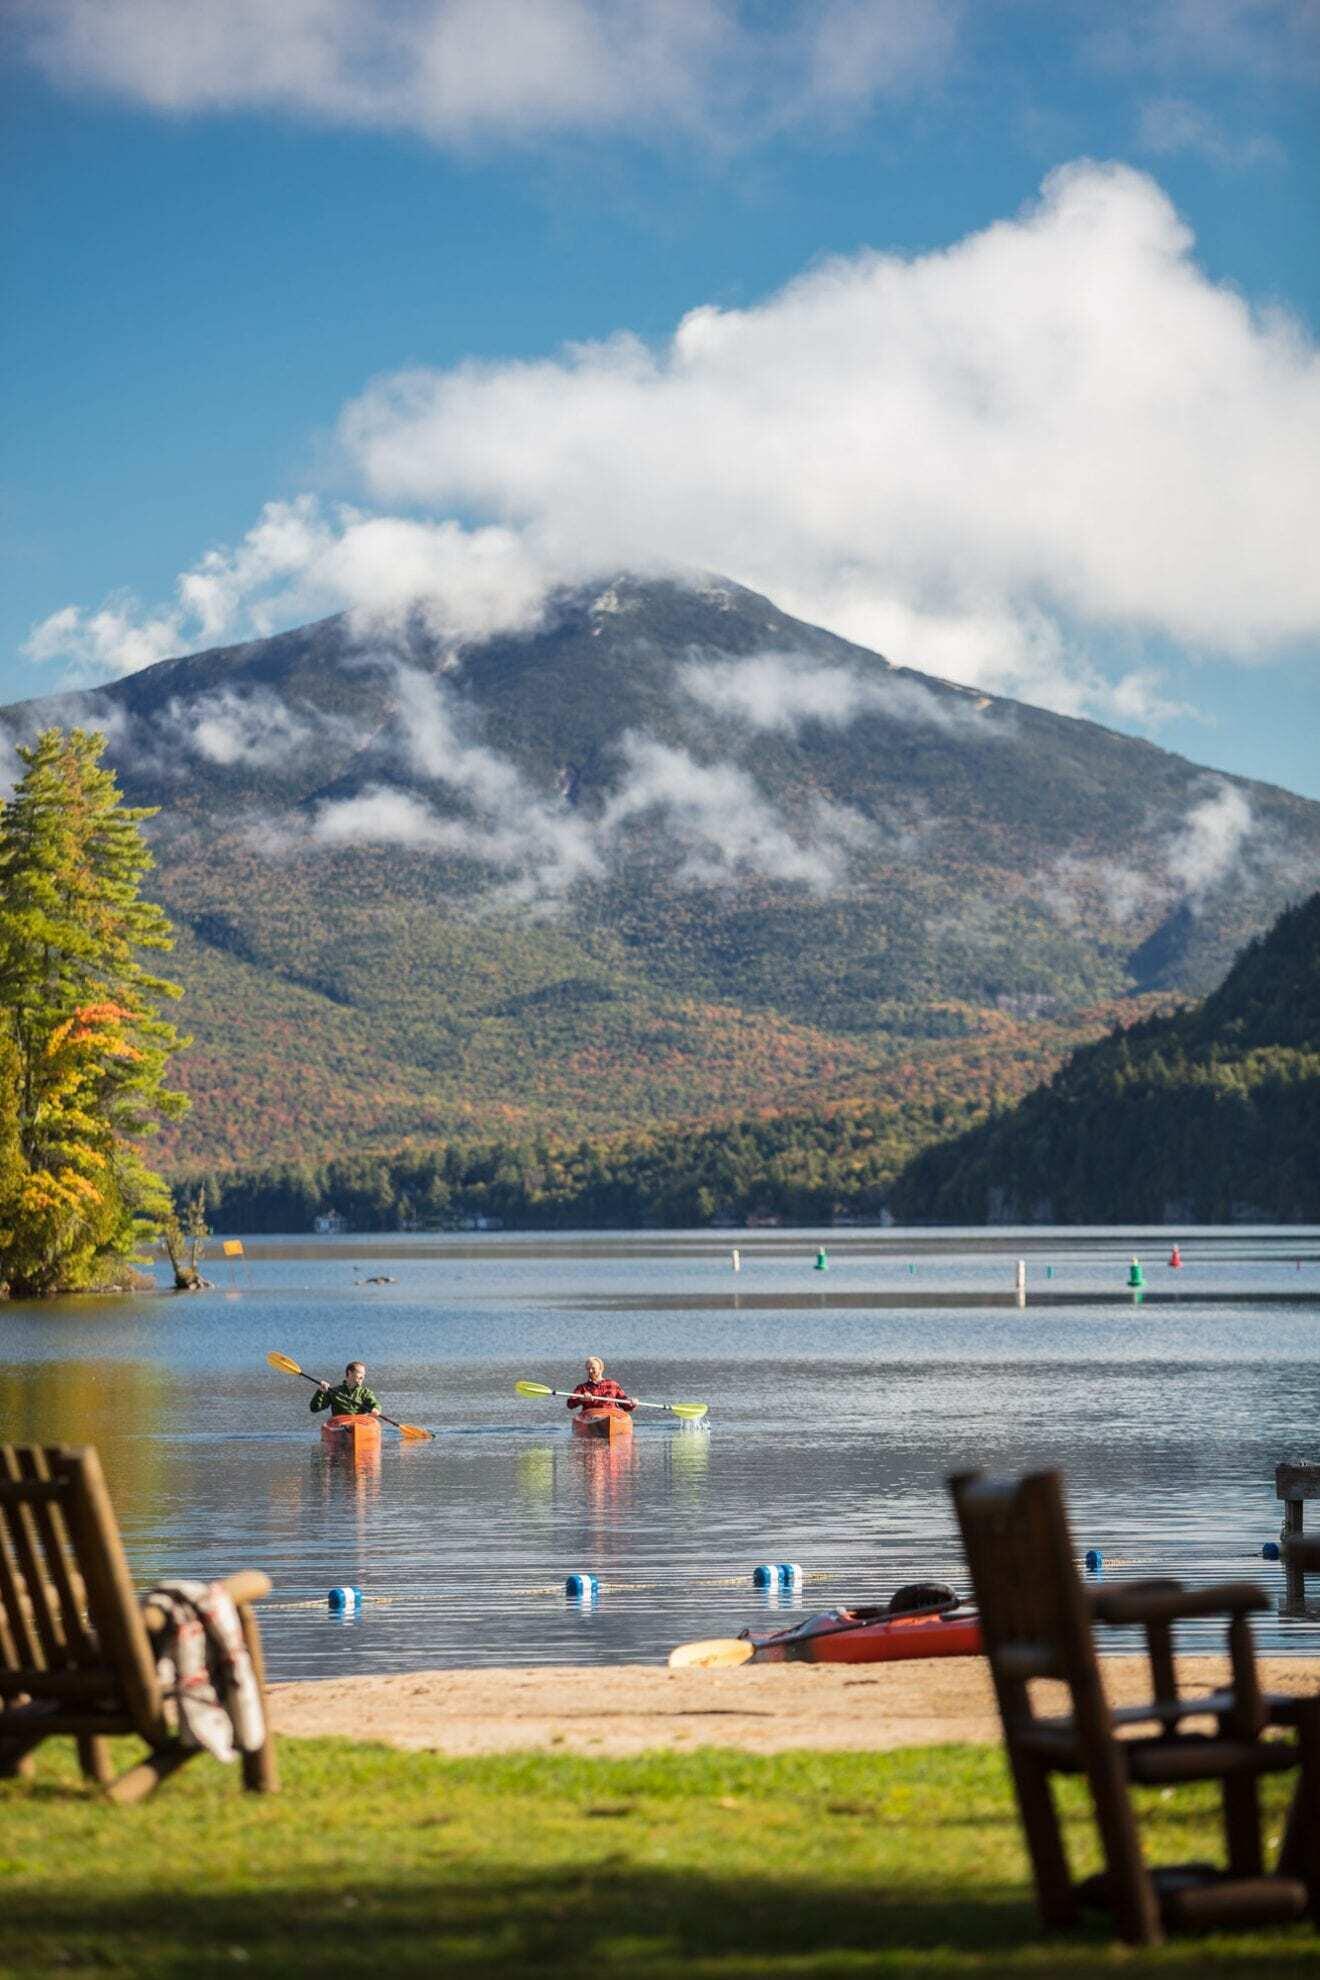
point(803, 1168)
point(1209, 1116)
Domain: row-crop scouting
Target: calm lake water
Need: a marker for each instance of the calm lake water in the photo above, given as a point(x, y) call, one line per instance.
point(839, 1402)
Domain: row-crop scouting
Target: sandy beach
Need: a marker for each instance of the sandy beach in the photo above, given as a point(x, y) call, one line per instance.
point(631, 1708)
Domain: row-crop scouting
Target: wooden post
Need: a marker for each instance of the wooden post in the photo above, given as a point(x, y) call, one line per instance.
point(1295, 1483)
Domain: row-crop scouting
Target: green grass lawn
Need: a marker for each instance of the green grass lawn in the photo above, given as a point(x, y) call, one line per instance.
point(704, 1864)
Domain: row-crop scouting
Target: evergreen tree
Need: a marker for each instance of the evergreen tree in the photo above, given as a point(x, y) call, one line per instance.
point(83, 1049)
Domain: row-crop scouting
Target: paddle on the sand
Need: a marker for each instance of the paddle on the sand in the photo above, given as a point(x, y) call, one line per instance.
point(715, 1653)
point(690, 1411)
point(412, 1431)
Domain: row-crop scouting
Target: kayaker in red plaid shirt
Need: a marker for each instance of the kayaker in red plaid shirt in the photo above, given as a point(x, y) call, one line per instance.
point(596, 1392)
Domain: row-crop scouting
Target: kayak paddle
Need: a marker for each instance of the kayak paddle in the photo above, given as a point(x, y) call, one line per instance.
point(691, 1412)
point(412, 1431)
point(715, 1653)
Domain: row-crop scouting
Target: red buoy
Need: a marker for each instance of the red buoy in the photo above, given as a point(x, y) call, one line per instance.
point(1175, 1258)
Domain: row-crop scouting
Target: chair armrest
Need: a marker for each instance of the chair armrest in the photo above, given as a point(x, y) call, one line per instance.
point(1163, 1601)
point(248, 1585)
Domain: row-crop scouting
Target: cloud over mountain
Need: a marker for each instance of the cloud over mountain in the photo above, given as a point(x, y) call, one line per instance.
point(717, 825)
point(1059, 410)
point(1055, 442)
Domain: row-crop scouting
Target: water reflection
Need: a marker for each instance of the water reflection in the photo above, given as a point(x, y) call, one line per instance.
point(534, 1474)
point(608, 1475)
point(687, 1456)
point(835, 1418)
point(127, 1410)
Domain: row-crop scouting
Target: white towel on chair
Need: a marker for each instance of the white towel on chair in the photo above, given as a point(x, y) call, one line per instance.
point(204, 1669)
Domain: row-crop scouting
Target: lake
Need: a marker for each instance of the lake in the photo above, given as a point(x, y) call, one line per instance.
point(840, 1400)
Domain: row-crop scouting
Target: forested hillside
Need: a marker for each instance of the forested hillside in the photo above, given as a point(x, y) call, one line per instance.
point(801, 1168)
point(666, 854)
point(1207, 1115)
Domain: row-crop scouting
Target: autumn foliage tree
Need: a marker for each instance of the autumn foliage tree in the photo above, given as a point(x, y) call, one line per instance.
point(83, 1048)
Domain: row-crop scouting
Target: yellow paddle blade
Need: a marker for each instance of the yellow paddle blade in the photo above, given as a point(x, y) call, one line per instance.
point(533, 1389)
point(716, 1653)
point(692, 1411)
point(283, 1361)
point(414, 1432)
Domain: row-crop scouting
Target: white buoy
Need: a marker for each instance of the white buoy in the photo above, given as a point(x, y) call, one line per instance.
point(1022, 1282)
point(735, 1259)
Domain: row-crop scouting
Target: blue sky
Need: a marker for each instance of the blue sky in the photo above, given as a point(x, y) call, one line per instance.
point(983, 333)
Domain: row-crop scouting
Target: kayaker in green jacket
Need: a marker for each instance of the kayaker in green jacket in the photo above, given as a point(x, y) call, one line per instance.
point(351, 1397)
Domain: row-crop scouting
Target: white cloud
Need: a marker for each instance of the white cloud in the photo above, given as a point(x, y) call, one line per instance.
point(725, 828)
point(1210, 842)
point(1260, 41)
point(256, 730)
point(118, 638)
point(501, 822)
point(11, 768)
point(1057, 423)
point(458, 71)
point(1170, 124)
point(717, 827)
point(995, 463)
point(379, 817)
point(783, 691)
point(1217, 839)
point(858, 49)
point(299, 562)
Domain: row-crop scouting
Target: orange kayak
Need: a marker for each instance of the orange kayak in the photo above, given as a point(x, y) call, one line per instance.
point(869, 1636)
point(609, 1424)
point(351, 1434)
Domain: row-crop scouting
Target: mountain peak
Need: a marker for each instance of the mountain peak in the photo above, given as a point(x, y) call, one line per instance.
point(768, 859)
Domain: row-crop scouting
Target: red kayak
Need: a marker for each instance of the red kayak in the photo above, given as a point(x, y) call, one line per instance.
point(869, 1636)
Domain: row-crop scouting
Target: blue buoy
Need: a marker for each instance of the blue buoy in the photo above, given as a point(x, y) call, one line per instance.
point(1270, 1551)
point(789, 1574)
point(585, 1586)
point(345, 1598)
point(766, 1575)
point(1095, 1560)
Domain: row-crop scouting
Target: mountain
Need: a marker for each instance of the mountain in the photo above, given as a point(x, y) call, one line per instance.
point(1209, 1115)
point(664, 854)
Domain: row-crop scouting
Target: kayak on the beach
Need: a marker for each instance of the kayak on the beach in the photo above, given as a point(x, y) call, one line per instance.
point(351, 1434)
point(869, 1636)
point(607, 1424)
point(923, 1619)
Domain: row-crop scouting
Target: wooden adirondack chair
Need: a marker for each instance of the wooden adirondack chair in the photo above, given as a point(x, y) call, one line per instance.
point(1037, 1620)
point(75, 1643)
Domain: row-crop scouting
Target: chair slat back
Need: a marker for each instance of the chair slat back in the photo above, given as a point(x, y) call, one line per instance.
point(30, 1638)
point(68, 1601)
point(70, 1594)
point(1035, 1620)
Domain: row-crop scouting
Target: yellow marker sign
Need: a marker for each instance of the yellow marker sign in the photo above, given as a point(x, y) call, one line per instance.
point(232, 1247)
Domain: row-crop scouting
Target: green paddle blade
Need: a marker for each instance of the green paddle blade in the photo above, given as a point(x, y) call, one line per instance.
point(692, 1411)
point(533, 1389)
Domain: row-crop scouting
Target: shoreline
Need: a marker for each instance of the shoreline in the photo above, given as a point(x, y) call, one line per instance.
point(609, 1710)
